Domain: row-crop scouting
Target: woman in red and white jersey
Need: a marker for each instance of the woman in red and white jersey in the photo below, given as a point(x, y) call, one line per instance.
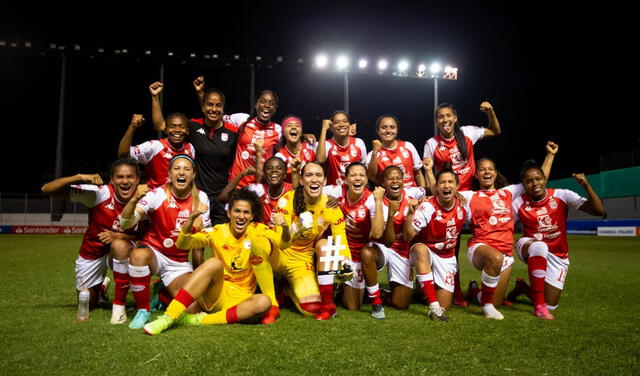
point(341, 150)
point(433, 229)
point(269, 192)
point(167, 207)
point(155, 155)
point(543, 246)
point(490, 248)
point(361, 225)
point(391, 250)
point(292, 147)
point(258, 128)
point(454, 145)
point(390, 151)
point(104, 243)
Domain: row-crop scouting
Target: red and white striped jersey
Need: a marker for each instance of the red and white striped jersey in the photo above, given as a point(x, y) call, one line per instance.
point(339, 157)
point(546, 220)
point(269, 204)
point(104, 210)
point(167, 215)
point(307, 154)
point(245, 152)
point(492, 217)
point(357, 217)
point(404, 155)
point(442, 150)
point(155, 155)
point(408, 194)
point(438, 227)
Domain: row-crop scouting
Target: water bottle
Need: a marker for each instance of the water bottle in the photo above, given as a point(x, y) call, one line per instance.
point(83, 305)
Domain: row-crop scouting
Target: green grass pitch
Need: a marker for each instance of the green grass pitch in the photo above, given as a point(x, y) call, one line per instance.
point(595, 331)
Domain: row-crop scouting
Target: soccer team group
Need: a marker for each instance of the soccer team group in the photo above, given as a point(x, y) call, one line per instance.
point(292, 214)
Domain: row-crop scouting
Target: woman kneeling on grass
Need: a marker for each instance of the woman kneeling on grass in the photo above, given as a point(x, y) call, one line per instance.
point(104, 243)
point(224, 285)
point(543, 246)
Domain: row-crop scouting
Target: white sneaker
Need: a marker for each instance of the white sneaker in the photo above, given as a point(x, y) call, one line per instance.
point(437, 313)
point(491, 312)
point(118, 314)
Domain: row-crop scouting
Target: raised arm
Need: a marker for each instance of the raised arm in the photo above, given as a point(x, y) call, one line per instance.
point(60, 186)
point(321, 151)
point(156, 109)
point(494, 125)
point(259, 171)
point(296, 163)
point(372, 168)
point(552, 150)
point(125, 144)
point(377, 222)
point(407, 227)
point(430, 178)
point(226, 192)
point(593, 205)
point(131, 213)
point(389, 234)
point(198, 86)
point(285, 233)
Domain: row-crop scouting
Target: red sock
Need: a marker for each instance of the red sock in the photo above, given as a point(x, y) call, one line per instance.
point(374, 294)
point(457, 291)
point(326, 293)
point(121, 288)
point(232, 315)
point(165, 296)
point(428, 288)
point(184, 297)
point(489, 284)
point(140, 281)
point(537, 272)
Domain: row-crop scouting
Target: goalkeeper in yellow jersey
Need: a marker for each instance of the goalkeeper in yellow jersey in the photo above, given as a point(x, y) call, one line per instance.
point(224, 285)
point(305, 210)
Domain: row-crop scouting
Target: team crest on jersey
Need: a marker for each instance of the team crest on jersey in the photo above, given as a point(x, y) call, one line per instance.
point(553, 204)
point(459, 213)
point(361, 213)
point(405, 154)
point(247, 244)
point(354, 153)
point(269, 133)
point(224, 137)
point(320, 221)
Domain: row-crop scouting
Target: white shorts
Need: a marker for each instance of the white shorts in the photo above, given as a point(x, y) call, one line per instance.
point(557, 269)
point(399, 269)
point(444, 271)
point(90, 272)
point(168, 270)
point(357, 282)
point(507, 262)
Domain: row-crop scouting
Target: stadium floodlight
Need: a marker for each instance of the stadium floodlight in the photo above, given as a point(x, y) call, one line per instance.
point(236, 57)
point(403, 65)
point(76, 47)
point(362, 64)
point(300, 60)
point(125, 51)
point(450, 73)
point(422, 69)
point(147, 52)
point(342, 62)
point(192, 55)
point(215, 56)
point(170, 54)
point(279, 59)
point(435, 68)
point(321, 61)
point(258, 58)
point(27, 44)
point(101, 50)
point(382, 65)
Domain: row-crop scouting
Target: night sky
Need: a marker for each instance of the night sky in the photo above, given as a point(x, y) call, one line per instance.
point(551, 72)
